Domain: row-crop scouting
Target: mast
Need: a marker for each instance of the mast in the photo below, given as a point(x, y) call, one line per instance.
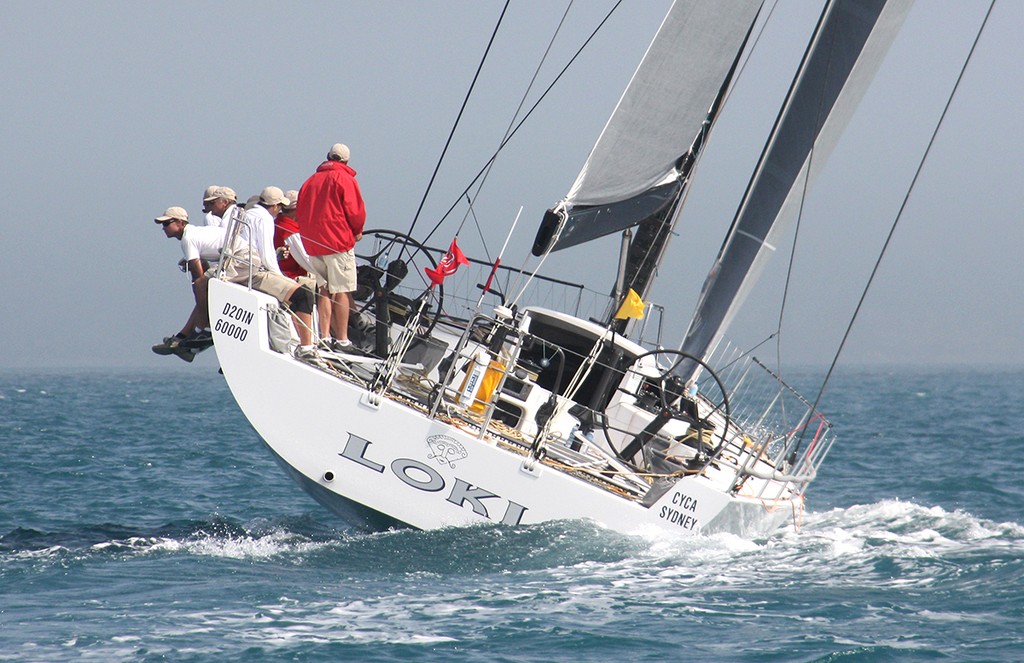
point(651, 241)
point(849, 42)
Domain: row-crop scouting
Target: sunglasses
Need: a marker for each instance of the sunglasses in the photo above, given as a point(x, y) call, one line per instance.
point(167, 223)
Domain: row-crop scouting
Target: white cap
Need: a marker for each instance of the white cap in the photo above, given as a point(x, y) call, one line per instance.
point(339, 152)
point(272, 195)
point(173, 213)
point(219, 192)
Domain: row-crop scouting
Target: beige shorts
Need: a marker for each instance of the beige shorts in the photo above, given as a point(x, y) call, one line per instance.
point(275, 285)
point(236, 266)
point(307, 282)
point(340, 270)
point(237, 271)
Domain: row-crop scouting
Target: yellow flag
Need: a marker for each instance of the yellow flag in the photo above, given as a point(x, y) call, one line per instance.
point(632, 307)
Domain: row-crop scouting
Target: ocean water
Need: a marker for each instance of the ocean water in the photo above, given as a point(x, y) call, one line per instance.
point(142, 519)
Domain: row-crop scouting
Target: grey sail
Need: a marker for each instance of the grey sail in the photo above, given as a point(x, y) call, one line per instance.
point(632, 171)
point(851, 39)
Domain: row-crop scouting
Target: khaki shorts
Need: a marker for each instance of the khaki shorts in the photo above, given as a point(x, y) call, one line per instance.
point(275, 285)
point(340, 270)
point(307, 282)
point(236, 266)
point(237, 271)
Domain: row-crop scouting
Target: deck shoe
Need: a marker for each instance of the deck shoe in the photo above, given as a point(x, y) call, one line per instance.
point(198, 340)
point(330, 345)
point(168, 346)
point(346, 348)
point(310, 356)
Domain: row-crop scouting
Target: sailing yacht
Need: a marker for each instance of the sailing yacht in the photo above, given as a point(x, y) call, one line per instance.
point(474, 403)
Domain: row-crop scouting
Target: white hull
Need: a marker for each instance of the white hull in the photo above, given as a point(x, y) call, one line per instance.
point(388, 463)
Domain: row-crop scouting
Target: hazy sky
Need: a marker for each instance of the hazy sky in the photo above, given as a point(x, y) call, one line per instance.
point(113, 111)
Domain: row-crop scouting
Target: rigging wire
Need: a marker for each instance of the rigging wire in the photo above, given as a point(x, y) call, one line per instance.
point(451, 135)
point(899, 215)
point(476, 224)
point(511, 134)
point(508, 130)
point(523, 120)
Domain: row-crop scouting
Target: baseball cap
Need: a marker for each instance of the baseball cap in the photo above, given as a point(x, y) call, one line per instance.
point(177, 213)
point(339, 151)
point(272, 195)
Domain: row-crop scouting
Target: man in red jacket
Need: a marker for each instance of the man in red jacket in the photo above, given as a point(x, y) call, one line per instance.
point(330, 215)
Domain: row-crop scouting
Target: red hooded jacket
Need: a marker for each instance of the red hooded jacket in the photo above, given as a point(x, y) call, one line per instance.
point(331, 211)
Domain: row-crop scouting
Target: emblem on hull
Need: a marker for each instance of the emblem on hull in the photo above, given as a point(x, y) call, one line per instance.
point(445, 450)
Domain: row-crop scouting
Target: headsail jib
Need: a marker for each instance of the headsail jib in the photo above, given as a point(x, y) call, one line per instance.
point(633, 172)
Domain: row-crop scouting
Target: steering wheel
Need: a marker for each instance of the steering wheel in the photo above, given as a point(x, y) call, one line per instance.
point(397, 261)
point(670, 389)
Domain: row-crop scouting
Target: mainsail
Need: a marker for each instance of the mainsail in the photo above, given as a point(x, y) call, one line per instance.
point(632, 173)
point(851, 38)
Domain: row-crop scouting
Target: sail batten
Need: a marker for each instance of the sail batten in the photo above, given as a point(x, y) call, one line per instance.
point(851, 39)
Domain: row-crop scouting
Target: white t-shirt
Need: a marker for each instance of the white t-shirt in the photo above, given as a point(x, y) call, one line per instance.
point(224, 220)
point(202, 242)
point(262, 224)
point(214, 221)
point(298, 251)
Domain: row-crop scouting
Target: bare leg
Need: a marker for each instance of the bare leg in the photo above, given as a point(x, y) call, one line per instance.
point(200, 316)
point(340, 303)
point(190, 324)
point(303, 321)
point(201, 290)
point(323, 306)
point(304, 325)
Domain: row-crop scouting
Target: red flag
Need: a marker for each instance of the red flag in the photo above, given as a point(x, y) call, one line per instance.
point(449, 263)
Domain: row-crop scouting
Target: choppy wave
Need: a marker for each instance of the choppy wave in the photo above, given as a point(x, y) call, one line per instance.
point(216, 537)
point(887, 529)
point(105, 552)
point(874, 568)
